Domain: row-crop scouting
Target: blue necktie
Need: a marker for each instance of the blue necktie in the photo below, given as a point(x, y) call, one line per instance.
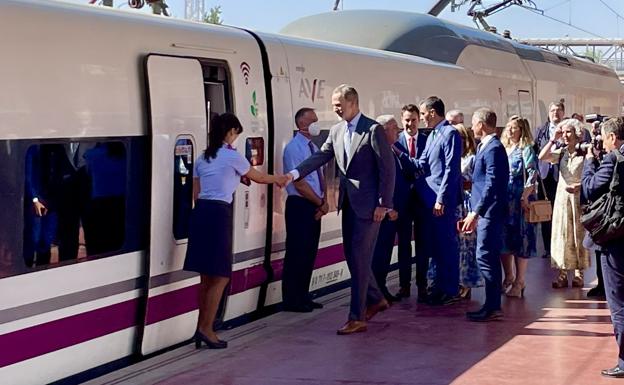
point(347, 140)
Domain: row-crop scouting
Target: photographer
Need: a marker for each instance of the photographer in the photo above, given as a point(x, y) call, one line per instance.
point(595, 183)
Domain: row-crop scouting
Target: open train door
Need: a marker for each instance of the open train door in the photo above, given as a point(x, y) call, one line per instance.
point(178, 113)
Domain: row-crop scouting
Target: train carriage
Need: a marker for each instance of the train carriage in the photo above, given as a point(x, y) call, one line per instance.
point(125, 99)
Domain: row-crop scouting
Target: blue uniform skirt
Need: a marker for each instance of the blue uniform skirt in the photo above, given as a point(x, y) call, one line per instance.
point(209, 248)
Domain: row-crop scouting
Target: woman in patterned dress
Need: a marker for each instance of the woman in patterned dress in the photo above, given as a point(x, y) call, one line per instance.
point(519, 235)
point(469, 274)
point(566, 250)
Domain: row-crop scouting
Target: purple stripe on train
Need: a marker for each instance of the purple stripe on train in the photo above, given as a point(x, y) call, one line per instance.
point(40, 339)
point(34, 341)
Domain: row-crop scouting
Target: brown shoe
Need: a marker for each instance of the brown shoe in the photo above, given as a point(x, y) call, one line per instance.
point(374, 309)
point(352, 327)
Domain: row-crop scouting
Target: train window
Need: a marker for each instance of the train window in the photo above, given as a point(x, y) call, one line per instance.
point(182, 187)
point(74, 201)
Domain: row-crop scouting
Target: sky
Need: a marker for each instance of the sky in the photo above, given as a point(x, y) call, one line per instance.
point(593, 17)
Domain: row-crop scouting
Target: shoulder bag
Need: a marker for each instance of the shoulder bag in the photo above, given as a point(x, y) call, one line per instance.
point(539, 210)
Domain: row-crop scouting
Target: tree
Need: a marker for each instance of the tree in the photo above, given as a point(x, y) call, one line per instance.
point(596, 56)
point(214, 16)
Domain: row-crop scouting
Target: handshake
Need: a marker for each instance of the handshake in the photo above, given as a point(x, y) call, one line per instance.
point(282, 180)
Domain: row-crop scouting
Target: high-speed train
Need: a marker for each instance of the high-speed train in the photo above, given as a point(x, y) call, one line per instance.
point(124, 98)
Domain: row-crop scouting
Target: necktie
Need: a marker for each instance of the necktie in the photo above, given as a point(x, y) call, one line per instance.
point(319, 171)
point(412, 148)
point(347, 141)
point(479, 147)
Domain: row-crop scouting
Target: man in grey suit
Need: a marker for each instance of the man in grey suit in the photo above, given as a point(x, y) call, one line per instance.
point(366, 167)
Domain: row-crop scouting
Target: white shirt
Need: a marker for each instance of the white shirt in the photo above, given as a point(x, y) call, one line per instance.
point(485, 141)
point(219, 177)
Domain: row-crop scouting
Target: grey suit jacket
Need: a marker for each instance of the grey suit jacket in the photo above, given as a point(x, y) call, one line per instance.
point(367, 178)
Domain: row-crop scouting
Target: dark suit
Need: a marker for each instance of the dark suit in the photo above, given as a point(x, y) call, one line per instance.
point(490, 201)
point(388, 230)
point(549, 180)
point(410, 222)
point(366, 182)
point(439, 166)
point(595, 183)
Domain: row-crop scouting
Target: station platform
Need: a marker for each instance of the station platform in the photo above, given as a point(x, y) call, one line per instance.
point(552, 337)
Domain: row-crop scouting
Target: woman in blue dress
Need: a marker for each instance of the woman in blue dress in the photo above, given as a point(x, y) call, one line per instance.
point(519, 235)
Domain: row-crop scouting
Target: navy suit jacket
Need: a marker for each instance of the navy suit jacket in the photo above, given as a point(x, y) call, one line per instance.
point(489, 181)
point(440, 165)
point(402, 187)
point(407, 163)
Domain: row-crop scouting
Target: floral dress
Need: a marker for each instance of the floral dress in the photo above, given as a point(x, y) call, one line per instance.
point(519, 235)
point(566, 250)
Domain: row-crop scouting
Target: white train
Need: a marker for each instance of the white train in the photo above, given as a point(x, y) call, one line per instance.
point(134, 91)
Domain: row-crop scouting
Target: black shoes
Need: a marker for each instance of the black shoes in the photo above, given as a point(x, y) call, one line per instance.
point(200, 337)
point(614, 372)
point(307, 308)
point(315, 305)
point(484, 315)
point(597, 291)
point(443, 299)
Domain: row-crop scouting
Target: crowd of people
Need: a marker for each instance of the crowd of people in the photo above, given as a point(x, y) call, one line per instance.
point(450, 190)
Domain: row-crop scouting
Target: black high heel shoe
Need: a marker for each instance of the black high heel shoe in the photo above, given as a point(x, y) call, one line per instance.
point(200, 337)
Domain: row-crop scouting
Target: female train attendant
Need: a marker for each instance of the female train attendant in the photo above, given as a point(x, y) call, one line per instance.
point(217, 173)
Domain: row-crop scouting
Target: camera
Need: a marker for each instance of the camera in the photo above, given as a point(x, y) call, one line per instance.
point(596, 144)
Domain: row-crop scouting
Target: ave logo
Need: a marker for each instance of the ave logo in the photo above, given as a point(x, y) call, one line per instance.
point(311, 89)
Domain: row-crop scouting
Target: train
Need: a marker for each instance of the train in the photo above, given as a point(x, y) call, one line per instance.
point(136, 92)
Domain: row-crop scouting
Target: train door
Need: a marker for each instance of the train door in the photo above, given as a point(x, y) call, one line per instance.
point(177, 110)
point(525, 104)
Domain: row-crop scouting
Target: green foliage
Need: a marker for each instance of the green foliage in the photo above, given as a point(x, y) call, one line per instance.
point(214, 16)
point(595, 56)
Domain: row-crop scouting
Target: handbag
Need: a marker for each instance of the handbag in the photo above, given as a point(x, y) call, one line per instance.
point(539, 210)
point(604, 218)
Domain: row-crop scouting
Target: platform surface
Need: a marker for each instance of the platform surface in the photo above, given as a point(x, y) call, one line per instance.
point(552, 337)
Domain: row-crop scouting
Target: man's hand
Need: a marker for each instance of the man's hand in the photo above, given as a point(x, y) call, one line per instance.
point(393, 215)
point(321, 210)
point(40, 209)
point(438, 209)
point(470, 223)
point(380, 214)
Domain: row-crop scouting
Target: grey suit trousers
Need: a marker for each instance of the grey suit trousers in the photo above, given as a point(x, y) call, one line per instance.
point(359, 238)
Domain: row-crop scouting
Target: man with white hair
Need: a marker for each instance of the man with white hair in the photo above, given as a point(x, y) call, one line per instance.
point(455, 117)
point(389, 226)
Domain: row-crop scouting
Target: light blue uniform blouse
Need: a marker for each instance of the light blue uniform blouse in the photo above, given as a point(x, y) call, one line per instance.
point(219, 177)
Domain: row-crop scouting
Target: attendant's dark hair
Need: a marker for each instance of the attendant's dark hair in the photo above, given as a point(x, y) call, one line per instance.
point(300, 113)
point(434, 103)
point(219, 127)
point(614, 125)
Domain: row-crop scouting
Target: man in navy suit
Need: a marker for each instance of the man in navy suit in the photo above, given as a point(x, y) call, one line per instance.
point(411, 144)
point(489, 202)
point(595, 183)
point(548, 172)
point(389, 226)
point(439, 165)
